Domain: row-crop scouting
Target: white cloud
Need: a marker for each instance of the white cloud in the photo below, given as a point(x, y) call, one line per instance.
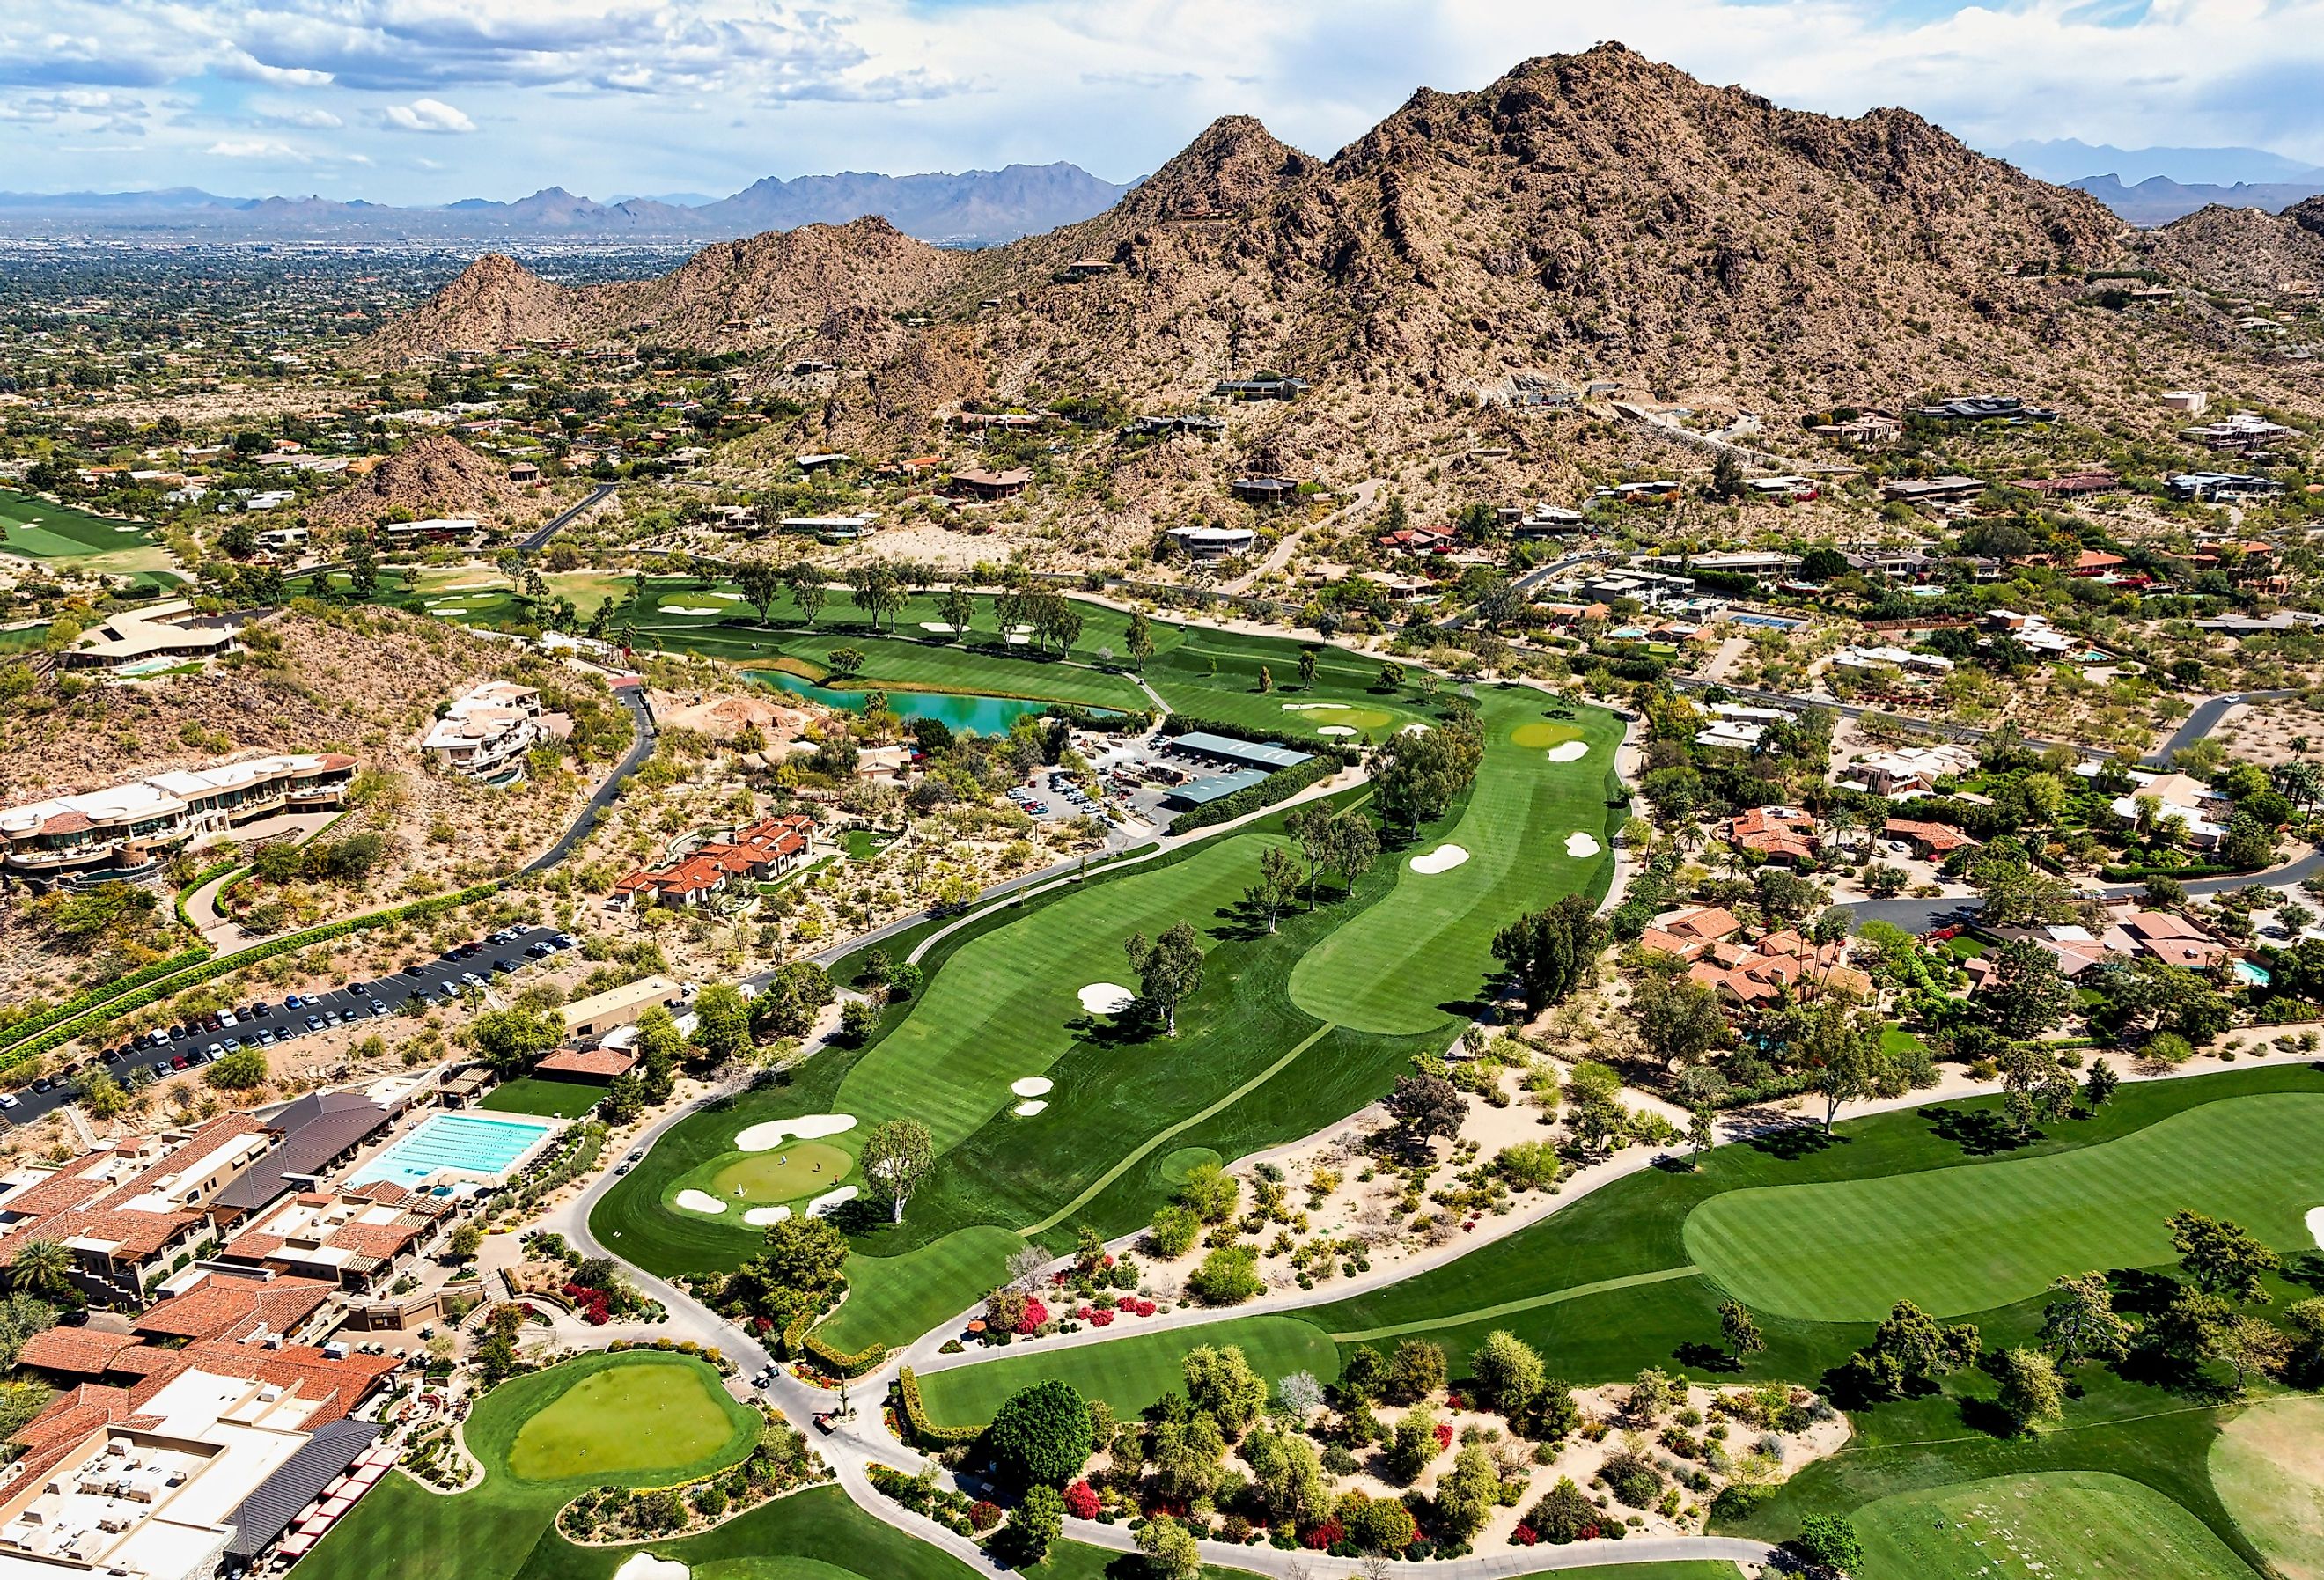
point(252, 148)
point(427, 115)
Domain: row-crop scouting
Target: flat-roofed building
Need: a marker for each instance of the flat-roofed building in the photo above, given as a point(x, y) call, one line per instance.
point(485, 734)
point(125, 829)
point(1207, 543)
point(172, 629)
point(601, 1012)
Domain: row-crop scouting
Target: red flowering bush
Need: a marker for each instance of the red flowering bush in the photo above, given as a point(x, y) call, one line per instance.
point(1058, 1277)
point(1524, 1535)
point(1443, 1436)
point(1142, 1308)
point(1101, 1319)
point(1082, 1501)
point(595, 1306)
point(1324, 1535)
point(983, 1514)
point(1455, 1402)
point(1034, 1315)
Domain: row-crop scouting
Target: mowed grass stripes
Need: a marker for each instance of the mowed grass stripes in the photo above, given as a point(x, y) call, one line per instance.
point(1005, 1006)
point(1394, 968)
point(1986, 1234)
point(1132, 1371)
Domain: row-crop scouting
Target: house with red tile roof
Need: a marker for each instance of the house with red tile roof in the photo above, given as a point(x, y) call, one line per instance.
point(763, 851)
point(128, 1209)
point(1931, 841)
point(350, 1239)
point(594, 1066)
point(1783, 835)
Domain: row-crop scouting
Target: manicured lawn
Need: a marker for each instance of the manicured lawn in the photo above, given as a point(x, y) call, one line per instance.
point(624, 1418)
point(35, 528)
point(1985, 1234)
point(786, 1174)
point(536, 1095)
point(2040, 1528)
point(2268, 1469)
point(489, 1532)
point(1393, 968)
point(1131, 1372)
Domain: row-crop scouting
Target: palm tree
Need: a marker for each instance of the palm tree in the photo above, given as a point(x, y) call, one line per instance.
point(41, 1267)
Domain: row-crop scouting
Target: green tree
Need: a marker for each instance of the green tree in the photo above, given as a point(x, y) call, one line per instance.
point(1278, 882)
point(1841, 1051)
point(512, 1040)
point(1412, 1445)
point(958, 610)
point(467, 1240)
point(1468, 1494)
point(1507, 1373)
point(362, 567)
point(804, 583)
point(2080, 1323)
point(1169, 1550)
point(1228, 1276)
point(2032, 1394)
point(1039, 1436)
point(1550, 953)
point(1169, 969)
point(2221, 1257)
point(1415, 1371)
point(43, 1268)
point(1038, 1520)
point(845, 661)
point(1220, 1383)
point(659, 1045)
point(1909, 1352)
point(1139, 639)
point(2026, 996)
point(721, 1022)
point(1678, 1020)
point(243, 1070)
point(792, 999)
point(1740, 1334)
point(760, 584)
point(896, 1157)
point(1827, 1541)
point(1307, 669)
point(1289, 1477)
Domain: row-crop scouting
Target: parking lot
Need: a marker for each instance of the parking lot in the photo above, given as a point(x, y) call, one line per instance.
point(261, 1025)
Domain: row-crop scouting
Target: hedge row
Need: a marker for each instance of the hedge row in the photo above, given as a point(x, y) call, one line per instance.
point(800, 1339)
point(226, 964)
point(2135, 875)
point(1280, 786)
point(216, 870)
point(82, 1003)
point(922, 1430)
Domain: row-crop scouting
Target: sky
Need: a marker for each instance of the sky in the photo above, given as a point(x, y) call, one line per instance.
point(424, 101)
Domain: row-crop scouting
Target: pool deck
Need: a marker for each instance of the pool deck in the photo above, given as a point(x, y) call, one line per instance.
point(384, 1163)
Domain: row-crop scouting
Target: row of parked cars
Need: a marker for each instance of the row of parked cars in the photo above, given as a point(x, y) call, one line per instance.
point(204, 1039)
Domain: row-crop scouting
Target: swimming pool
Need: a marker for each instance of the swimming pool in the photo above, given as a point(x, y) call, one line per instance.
point(1770, 620)
point(470, 1145)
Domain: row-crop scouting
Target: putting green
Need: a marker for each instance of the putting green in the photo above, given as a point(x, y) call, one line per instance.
point(2040, 1527)
point(1541, 732)
point(1981, 1236)
point(1176, 1167)
point(1317, 714)
point(1409, 963)
point(1131, 1372)
point(761, 1179)
point(2268, 1468)
point(645, 1415)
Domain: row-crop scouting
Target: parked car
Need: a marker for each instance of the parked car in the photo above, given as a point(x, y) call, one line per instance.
point(10, 1100)
point(314, 1023)
point(44, 1084)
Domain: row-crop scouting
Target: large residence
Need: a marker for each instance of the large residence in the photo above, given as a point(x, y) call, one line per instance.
point(760, 852)
point(486, 734)
point(161, 635)
point(124, 830)
point(1206, 543)
point(1745, 971)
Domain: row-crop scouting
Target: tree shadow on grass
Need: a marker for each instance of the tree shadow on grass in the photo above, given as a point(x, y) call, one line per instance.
point(1981, 1133)
point(2307, 1267)
point(1698, 1356)
point(1789, 1140)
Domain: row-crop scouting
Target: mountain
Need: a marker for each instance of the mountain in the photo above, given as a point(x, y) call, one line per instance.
point(434, 476)
point(2067, 160)
point(2157, 201)
point(2243, 251)
point(747, 295)
point(972, 208)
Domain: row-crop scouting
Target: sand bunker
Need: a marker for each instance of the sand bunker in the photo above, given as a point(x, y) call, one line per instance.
point(760, 1217)
point(728, 597)
point(814, 1127)
point(700, 1201)
point(646, 1566)
point(1106, 998)
point(129, 529)
point(1442, 858)
point(687, 609)
point(472, 586)
point(1032, 1085)
point(1336, 729)
point(1581, 844)
point(1307, 707)
point(1569, 750)
point(1414, 730)
point(1028, 1108)
point(940, 627)
point(2315, 1225)
point(830, 1200)
point(1017, 641)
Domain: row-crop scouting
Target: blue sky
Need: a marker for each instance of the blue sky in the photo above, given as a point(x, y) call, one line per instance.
point(427, 100)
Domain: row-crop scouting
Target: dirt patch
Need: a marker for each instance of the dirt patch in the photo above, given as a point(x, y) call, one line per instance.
point(2268, 1468)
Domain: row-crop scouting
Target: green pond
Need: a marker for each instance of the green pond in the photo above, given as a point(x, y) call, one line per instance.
point(964, 711)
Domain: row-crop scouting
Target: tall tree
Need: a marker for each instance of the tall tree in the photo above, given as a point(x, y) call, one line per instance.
point(1169, 969)
point(2080, 1322)
point(2025, 995)
point(1139, 639)
point(43, 1268)
point(1550, 953)
point(1278, 881)
point(760, 583)
point(2221, 1257)
point(1307, 669)
point(1740, 1332)
point(897, 1156)
point(1309, 825)
point(958, 609)
point(1843, 1055)
point(805, 584)
point(1679, 1020)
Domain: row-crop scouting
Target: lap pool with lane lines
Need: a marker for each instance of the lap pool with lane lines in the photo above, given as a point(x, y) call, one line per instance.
point(470, 1146)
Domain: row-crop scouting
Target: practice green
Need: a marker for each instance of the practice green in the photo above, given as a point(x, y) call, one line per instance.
point(1985, 1234)
point(536, 1095)
point(623, 1420)
point(2051, 1526)
point(801, 1168)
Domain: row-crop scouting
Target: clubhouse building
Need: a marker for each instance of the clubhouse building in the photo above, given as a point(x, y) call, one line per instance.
point(124, 831)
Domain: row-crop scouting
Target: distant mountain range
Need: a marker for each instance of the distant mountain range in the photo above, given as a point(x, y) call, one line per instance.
point(2159, 200)
point(2069, 161)
point(973, 209)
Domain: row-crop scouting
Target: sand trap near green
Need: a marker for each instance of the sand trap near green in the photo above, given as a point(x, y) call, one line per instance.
point(1981, 1236)
point(764, 1178)
point(2267, 1467)
point(1427, 943)
point(643, 1414)
point(2057, 1525)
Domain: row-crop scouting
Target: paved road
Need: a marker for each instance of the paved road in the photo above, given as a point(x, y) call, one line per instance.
point(2204, 720)
point(540, 538)
point(632, 694)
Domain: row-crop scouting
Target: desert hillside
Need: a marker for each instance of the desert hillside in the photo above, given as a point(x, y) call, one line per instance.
point(434, 476)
